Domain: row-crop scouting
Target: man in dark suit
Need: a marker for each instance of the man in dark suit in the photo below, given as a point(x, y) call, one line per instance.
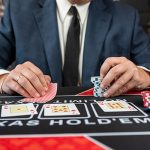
point(68, 41)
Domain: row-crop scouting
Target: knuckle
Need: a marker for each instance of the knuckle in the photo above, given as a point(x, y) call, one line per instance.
point(27, 63)
point(48, 77)
point(17, 67)
point(23, 81)
point(123, 58)
point(135, 70)
point(120, 82)
point(108, 60)
point(40, 74)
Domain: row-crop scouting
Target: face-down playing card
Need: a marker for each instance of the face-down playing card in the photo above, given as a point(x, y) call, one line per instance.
point(115, 106)
point(60, 109)
point(18, 110)
point(51, 93)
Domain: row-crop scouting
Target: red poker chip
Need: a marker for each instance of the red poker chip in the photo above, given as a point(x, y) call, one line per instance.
point(146, 98)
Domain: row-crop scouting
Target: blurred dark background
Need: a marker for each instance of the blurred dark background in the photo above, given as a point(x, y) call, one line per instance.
point(143, 6)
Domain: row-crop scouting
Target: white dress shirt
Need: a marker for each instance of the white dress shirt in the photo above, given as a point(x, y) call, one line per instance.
point(64, 20)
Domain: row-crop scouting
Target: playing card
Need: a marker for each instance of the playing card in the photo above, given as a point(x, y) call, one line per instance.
point(51, 93)
point(60, 109)
point(115, 106)
point(18, 110)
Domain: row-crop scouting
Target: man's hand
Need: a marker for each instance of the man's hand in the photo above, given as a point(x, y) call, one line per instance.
point(122, 75)
point(27, 80)
point(1, 11)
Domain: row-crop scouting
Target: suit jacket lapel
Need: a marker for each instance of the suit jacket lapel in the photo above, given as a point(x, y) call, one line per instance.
point(97, 26)
point(47, 21)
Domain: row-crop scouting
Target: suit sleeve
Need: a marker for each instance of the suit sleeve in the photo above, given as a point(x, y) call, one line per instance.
point(7, 39)
point(140, 46)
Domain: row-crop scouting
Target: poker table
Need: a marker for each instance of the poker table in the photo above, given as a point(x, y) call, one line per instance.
point(93, 129)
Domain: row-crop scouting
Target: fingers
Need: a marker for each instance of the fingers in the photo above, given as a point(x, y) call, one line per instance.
point(34, 80)
point(30, 81)
point(109, 63)
point(112, 75)
point(24, 83)
point(35, 76)
point(37, 72)
point(48, 79)
point(118, 72)
point(13, 86)
point(130, 85)
point(119, 85)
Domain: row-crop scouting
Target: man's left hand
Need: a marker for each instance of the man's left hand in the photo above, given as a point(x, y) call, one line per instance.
point(122, 75)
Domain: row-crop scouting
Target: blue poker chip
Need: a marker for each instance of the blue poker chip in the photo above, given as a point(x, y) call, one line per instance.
point(98, 91)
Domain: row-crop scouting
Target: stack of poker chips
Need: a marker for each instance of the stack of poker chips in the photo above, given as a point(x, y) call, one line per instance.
point(98, 91)
point(146, 99)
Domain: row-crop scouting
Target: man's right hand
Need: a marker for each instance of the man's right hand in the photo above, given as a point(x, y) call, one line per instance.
point(27, 80)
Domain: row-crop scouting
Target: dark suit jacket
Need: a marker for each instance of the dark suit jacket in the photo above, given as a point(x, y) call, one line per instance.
point(29, 32)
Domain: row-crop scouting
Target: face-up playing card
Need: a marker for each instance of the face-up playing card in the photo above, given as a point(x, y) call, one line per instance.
point(18, 110)
point(115, 106)
point(60, 109)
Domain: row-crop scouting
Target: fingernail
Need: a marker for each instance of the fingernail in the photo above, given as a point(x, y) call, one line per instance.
point(43, 93)
point(105, 94)
point(102, 86)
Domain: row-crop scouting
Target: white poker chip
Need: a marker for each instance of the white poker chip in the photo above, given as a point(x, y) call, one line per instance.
point(98, 91)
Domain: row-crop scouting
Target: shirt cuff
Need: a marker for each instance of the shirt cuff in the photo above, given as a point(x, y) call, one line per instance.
point(144, 68)
point(2, 71)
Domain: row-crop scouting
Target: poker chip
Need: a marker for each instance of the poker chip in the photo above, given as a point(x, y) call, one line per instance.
point(98, 91)
point(146, 99)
